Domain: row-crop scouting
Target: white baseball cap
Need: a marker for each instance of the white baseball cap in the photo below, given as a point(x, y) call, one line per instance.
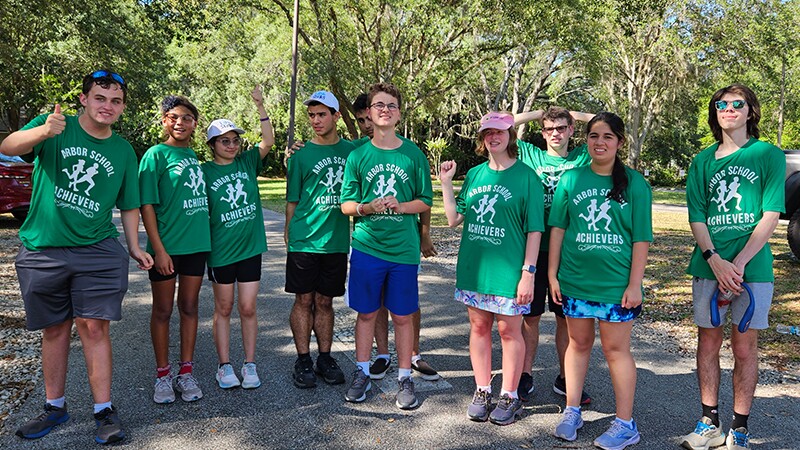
point(220, 127)
point(324, 97)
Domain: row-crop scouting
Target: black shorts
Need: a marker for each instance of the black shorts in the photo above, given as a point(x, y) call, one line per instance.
point(316, 272)
point(60, 283)
point(191, 265)
point(541, 290)
point(242, 271)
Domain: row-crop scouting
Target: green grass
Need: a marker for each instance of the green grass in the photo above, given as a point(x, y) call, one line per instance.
point(273, 193)
point(669, 197)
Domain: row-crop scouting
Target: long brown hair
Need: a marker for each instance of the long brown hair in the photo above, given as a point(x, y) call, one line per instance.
point(752, 103)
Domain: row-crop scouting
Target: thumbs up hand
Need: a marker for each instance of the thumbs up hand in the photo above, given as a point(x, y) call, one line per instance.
point(55, 123)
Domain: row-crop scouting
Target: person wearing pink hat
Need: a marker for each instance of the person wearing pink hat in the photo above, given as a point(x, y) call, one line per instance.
point(501, 207)
point(237, 238)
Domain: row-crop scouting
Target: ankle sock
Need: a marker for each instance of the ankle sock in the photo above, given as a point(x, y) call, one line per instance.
point(508, 393)
point(186, 367)
point(324, 355)
point(57, 402)
point(304, 356)
point(403, 373)
point(101, 406)
point(712, 412)
point(163, 371)
point(364, 366)
point(739, 420)
point(627, 423)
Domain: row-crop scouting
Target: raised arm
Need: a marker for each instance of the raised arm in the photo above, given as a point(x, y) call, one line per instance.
point(267, 132)
point(446, 173)
point(22, 142)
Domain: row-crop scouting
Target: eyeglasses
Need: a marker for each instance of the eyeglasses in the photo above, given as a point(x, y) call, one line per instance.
point(188, 118)
point(722, 105)
point(235, 142)
point(104, 74)
point(392, 107)
point(549, 130)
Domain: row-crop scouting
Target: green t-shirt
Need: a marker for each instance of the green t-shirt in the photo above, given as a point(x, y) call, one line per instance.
point(403, 172)
point(170, 179)
point(599, 233)
point(500, 209)
point(549, 169)
point(314, 181)
point(730, 196)
point(360, 141)
point(77, 181)
point(237, 221)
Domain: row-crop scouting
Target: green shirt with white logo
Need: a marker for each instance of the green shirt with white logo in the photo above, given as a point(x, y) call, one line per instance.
point(403, 172)
point(314, 181)
point(170, 179)
point(730, 196)
point(549, 169)
point(500, 208)
point(237, 221)
point(596, 254)
point(77, 181)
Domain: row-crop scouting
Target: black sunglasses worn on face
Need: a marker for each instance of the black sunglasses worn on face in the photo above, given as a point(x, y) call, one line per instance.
point(104, 73)
point(722, 105)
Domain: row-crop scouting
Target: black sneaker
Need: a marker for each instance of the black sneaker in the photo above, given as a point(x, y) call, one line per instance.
point(560, 388)
point(525, 387)
point(329, 370)
point(303, 375)
point(426, 372)
point(109, 427)
point(379, 368)
point(44, 422)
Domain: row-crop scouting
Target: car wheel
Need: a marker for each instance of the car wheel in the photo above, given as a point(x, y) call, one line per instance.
point(21, 215)
point(793, 234)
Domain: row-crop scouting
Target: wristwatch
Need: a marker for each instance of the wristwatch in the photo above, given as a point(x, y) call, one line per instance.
point(709, 253)
point(529, 267)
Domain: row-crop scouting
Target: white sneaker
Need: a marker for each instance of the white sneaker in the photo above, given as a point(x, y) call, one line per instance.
point(163, 390)
point(226, 378)
point(250, 376)
point(187, 385)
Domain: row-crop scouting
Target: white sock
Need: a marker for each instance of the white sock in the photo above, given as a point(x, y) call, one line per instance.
point(415, 358)
point(627, 423)
point(101, 406)
point(403, 373)
point(384, 356)
point(57, 402)
point(487, 389)
point(364, 366)
point(574, 409)
point(508, 393)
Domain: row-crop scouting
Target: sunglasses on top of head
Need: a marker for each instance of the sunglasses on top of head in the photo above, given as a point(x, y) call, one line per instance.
point(722, 105)
point(106, 74)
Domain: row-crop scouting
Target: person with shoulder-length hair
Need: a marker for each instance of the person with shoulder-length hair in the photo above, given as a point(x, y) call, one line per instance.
point(735, 193)
point(502, 208)
point(175, 216)
point(600, 236)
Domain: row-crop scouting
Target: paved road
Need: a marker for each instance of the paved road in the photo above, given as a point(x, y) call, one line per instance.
point(277, 415)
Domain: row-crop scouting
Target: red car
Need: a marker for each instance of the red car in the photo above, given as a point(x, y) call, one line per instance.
point(15, 186)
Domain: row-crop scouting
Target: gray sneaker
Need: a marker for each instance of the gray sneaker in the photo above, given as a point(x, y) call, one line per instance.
point(406, 398)
point(506, 411)
point(358, 390)
point(570, 423)
point(187, 385)
point(481, 404)
point(164, 393)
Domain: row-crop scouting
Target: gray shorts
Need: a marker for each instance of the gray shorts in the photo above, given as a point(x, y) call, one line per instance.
point(60, 283)
point(703, 289)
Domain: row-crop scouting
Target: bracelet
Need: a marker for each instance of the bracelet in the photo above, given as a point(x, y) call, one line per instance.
point(359, 210)
point(264, 119)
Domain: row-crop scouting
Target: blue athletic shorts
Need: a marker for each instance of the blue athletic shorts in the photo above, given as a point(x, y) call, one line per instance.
point(371, 276)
